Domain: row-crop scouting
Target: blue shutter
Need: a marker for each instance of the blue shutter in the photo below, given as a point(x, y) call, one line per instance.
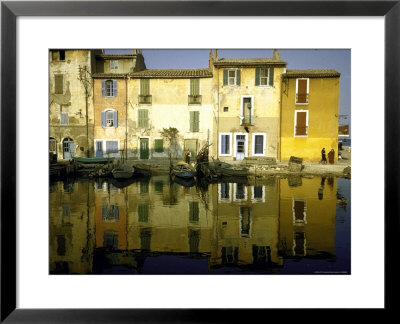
point(223, 145)
point(114, 88)
point(237, 77)
point(225, 77)
point(271, 76)
point(103, 118)
point(115, 112)
point(257, 76)
point(103, 88)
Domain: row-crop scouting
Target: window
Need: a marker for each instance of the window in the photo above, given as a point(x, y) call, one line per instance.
point(224, 190)
point(59, 84)
point(193, 211)
point(194, 97)
point(109, 118)
point(113, 64)
point(301, 123)
point(245, 221)
point(231, 77)
point(299, 243)
point(264, 76)
point(158, 145)
point(143, 213)
point(226, 109)
point(110, 239)
point(64, 118)
point(258, 144)
point(144, 187)
point(110, 213)
point(158, 186)
point(58, 55)
point(61, 245)
point(145, 238)
point(240, 192)
point(62, 55)
point(299, 212)
point(302, 86)
point(229, 254)
point(111, 146)
point(258, 194)
point(225, 140)
point(194, 121)
point(109, 88)
point(65, 213)
point(194, 240)
point(247, 110)
point(52, 145)
point(143, 118)
point(144, 96)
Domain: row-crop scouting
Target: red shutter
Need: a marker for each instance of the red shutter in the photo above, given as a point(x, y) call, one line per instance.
point(301, 123)
point(302, 91)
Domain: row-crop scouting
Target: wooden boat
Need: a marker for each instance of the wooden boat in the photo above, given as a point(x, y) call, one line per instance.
point(229, 170)
point(123, 171)
point(183, 170)
point(142, 170)
point(93, 160)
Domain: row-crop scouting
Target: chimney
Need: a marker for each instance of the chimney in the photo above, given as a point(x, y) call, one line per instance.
point(216, 54)
point(276, 55)
point(210, 61)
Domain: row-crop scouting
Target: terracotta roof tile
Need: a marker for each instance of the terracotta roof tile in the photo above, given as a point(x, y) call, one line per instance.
point(172, 73)
point(109, 75)
point(311, 73)
point(250, 62)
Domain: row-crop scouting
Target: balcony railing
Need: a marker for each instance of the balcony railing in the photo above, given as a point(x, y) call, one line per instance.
point(194, 99)
point(302, 98)
point(145, 99)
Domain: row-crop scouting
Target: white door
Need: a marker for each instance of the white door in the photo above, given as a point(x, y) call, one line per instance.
point(240, 147)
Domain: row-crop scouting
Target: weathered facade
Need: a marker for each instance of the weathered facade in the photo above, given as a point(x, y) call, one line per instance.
point(71, 102)
point(112, 105)
point(310, 114)
point(248, 106)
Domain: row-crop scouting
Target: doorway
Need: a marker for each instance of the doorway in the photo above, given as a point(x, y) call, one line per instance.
point(68, 149)
point(144, 148)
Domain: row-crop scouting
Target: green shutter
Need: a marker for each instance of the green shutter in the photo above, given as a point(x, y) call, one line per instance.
point(237, 77)
point(194, 121)
point(58, 84)
point(257, 76)
point(159, 145)
point(145, 87)
point(143, 116)
point(271, 76)
point(225, 77)
point(194, 87)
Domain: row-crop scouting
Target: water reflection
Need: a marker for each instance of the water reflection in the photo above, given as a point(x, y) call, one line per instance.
point(157, 226)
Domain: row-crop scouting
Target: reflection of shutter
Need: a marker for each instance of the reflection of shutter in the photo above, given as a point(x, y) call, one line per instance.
point(103, 88)
point(114, 94)
point(271, 77)
point(194, 87)
point(299, 210)
point(58, 82)
point(116, 213)
point(257, 76)
point(225, 77)
point(237, 77)
point(103, 118)
point(115, 113)
point(301, 123)
point(193, 211)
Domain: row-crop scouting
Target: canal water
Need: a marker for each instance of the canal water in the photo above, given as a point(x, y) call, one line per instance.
point(153, 225)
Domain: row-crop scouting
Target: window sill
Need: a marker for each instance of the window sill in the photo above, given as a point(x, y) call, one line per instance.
point(301, 136)
point(302, 103)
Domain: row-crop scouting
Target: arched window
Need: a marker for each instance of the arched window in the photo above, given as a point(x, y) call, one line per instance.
point(109, 118)
point(109, 88)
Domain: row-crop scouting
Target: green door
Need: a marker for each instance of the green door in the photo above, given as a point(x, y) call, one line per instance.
point(191, 145)
point(144, 148)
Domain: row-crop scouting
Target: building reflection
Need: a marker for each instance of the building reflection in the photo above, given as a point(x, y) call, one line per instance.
point(157, 226)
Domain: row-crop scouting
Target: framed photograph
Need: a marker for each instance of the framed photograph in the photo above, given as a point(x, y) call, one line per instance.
point(148, 229)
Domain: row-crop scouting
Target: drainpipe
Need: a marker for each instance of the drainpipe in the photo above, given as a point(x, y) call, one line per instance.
point(280, 124)
point(218, 115)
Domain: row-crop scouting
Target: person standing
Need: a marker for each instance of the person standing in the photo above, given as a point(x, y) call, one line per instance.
point(323, 158)
point(331, 156)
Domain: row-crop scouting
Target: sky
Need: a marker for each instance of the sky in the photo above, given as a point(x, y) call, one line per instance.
point(337, 59)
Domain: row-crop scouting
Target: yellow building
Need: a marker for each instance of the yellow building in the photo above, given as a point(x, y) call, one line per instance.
point(307, 216)
point(172, 98)
point(248, 106)
point(71, 102)
point(72, 211)
point(309, 114)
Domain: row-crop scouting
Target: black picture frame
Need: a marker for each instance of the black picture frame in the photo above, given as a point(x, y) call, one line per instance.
point(10, 10)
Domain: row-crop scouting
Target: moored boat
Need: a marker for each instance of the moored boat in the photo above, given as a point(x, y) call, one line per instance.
point(225, 169)
point(123, 171)
point(183, 170)
point(142, 170)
